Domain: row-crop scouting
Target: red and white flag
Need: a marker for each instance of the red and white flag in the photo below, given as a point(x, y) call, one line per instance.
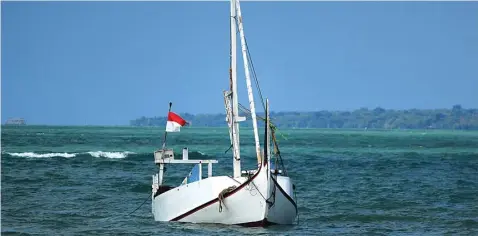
point(174, 122)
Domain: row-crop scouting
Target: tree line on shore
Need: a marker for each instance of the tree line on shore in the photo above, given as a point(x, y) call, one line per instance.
point(378, 118)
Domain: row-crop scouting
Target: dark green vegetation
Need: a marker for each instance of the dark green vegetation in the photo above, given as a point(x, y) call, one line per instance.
point(378, 118)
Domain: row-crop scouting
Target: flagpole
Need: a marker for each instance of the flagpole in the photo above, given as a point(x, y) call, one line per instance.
point(166, 132)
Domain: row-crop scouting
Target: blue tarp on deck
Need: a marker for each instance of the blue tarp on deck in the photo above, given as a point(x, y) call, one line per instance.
point(193, 176)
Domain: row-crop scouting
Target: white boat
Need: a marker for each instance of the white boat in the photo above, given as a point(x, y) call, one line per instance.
point(257, 197)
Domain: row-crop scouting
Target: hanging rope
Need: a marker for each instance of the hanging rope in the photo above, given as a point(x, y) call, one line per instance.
point(277, 153)
point(229, 148)
point(221, 196)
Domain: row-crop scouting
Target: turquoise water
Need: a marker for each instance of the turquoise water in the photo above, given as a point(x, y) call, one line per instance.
point(87, 180)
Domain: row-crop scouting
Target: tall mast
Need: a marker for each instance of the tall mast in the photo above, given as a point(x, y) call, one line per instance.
point(235, 119)
point(267, 144)
point(248, 82)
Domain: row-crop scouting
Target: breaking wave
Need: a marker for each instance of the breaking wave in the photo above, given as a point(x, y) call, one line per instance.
point(99, 154)
point(41, 155)
point(112, 155)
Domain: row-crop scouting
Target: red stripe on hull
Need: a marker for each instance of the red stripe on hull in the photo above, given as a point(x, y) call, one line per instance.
point(261, 223)
point(217, 199)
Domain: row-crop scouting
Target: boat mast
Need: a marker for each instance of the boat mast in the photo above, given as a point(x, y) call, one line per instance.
point(235, 119)
point(165, 132)
point(248, 82)
point(267, 144)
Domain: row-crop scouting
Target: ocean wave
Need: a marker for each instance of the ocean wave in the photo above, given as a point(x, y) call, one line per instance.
point(41, 155)
point(100, 154)
point(111, 155)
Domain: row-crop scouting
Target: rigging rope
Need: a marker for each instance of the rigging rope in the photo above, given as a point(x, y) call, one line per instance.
point(254, 75)
point(249, 57)
point(256, 80)
point(272, 126)
point(274, 129)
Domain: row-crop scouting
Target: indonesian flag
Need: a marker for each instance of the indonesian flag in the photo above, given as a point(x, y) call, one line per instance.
point(174, 122)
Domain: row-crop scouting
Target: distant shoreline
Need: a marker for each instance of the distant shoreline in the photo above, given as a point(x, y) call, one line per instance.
point(225, 128)
point(378, 119)
point(456, 118)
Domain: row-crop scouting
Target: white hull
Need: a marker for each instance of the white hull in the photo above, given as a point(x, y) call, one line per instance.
point(259, 199)
point(252, 203)
point(283, 209)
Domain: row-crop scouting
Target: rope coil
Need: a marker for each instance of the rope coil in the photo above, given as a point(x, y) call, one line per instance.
point(221, 196)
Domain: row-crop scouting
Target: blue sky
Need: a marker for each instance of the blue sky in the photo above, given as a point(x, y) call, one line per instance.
point(105, 63)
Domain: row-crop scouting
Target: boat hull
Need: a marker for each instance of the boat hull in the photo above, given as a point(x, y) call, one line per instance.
point(252, 202)
point(282, 206)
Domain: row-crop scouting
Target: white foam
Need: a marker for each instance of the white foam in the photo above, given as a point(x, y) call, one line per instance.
point(114, 155)
point(42, 155)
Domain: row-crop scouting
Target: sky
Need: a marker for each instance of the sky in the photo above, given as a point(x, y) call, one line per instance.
point(105, 63)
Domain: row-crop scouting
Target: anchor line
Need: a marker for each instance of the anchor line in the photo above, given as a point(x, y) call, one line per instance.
point(149, 198)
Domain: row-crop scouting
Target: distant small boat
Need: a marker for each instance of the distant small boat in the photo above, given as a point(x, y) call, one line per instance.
point(256, 197)
point(16, 121)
